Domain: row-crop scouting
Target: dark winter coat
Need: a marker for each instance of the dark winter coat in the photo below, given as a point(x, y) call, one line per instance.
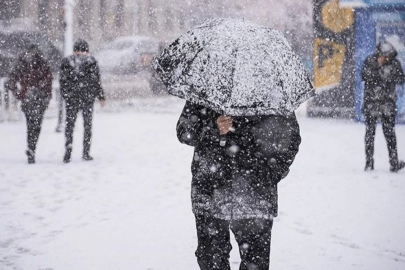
point(33, 72)
point(238, 180)
point(380, 84)
point(80, 79)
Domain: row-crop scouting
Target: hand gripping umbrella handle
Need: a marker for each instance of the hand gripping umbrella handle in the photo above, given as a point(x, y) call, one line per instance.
point(222, 138)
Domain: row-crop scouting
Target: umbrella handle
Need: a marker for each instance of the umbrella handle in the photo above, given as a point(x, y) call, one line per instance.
point(222, 140)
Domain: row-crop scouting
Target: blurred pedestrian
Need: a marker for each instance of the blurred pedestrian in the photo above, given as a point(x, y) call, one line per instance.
point(381, 73)
point(32, 71)
point(80, 85)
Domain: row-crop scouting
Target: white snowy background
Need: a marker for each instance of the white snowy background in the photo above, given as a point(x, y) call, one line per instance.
point(130, 208)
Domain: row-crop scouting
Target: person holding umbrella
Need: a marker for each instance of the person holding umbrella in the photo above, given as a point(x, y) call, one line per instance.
point(239, 117)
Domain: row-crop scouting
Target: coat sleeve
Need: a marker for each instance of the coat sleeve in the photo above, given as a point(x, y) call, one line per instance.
point(367, 72)
point(46, 80)
point(196, 124)
point(64, 78)
point(371, 78)
point(13, 78)
point(280, 162)
point(399, 77)
point(97, 82)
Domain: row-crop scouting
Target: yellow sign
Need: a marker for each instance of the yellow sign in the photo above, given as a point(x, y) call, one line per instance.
point(328, 63)
point(335, 18)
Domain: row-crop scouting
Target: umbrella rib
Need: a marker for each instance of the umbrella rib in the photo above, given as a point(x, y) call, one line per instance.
point(234, 53)
point(189, 62)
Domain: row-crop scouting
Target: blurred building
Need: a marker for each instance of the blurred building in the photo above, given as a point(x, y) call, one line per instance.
point(99, 21)
point(346, 32)
point(103, 20)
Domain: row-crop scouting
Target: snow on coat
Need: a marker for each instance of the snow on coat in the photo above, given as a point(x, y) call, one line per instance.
point(80, 79)
point(33, 72)
point(238, 180)
point(380, 83)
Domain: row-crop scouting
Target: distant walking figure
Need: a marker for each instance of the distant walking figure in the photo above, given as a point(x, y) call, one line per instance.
point(381, 73)
point(34, 74)
point(80, 85)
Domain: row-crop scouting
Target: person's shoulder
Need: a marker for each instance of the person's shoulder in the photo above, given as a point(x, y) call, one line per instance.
point(67, 60)
point(91, 59)
point(395, 61)
point(69, 57)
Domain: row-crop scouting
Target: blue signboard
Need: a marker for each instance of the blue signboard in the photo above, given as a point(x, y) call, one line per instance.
point(371, 3)
point(373, 27)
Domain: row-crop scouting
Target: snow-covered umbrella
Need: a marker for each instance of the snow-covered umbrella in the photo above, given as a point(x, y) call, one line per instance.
point(235, 67)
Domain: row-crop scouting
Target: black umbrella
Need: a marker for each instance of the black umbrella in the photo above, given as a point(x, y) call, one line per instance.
point(236, 68)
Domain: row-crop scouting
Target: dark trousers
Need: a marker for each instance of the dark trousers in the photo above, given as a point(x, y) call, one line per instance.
point(71, 115)
point(34, 119)
point(60, 110)
point(34, 108)
point(388, 126)
point(252, 235)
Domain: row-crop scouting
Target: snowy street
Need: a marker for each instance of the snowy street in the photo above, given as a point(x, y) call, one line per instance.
point(130, 208)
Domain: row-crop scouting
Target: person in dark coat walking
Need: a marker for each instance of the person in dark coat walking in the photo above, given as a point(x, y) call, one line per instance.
point(80, 85)
point(34, 74)
point(237, 164)
point(381, 73)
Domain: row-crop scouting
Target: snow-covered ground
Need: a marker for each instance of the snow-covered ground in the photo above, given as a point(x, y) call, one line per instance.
point(130, 207)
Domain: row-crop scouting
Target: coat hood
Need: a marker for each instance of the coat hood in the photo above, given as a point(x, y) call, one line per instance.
point(33, 57)
point(386, 49)
point(81, 46)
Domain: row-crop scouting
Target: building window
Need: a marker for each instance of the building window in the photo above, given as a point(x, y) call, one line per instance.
point(140, 17)
point(151, 16)
point(119, 13)
point(103, 13)
point(168, 20)
point(43, 7)
point(61, 8)
point(9, 9)
point(83, 18)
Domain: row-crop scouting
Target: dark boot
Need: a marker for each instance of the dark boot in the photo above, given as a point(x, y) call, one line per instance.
point(86, 151)
point(398, 166)
point(369, 165)
point(87, 157)
point(67, 157)
point(31, 156)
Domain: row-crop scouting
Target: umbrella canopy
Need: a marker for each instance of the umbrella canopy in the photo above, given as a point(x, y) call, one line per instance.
point(235, 67)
